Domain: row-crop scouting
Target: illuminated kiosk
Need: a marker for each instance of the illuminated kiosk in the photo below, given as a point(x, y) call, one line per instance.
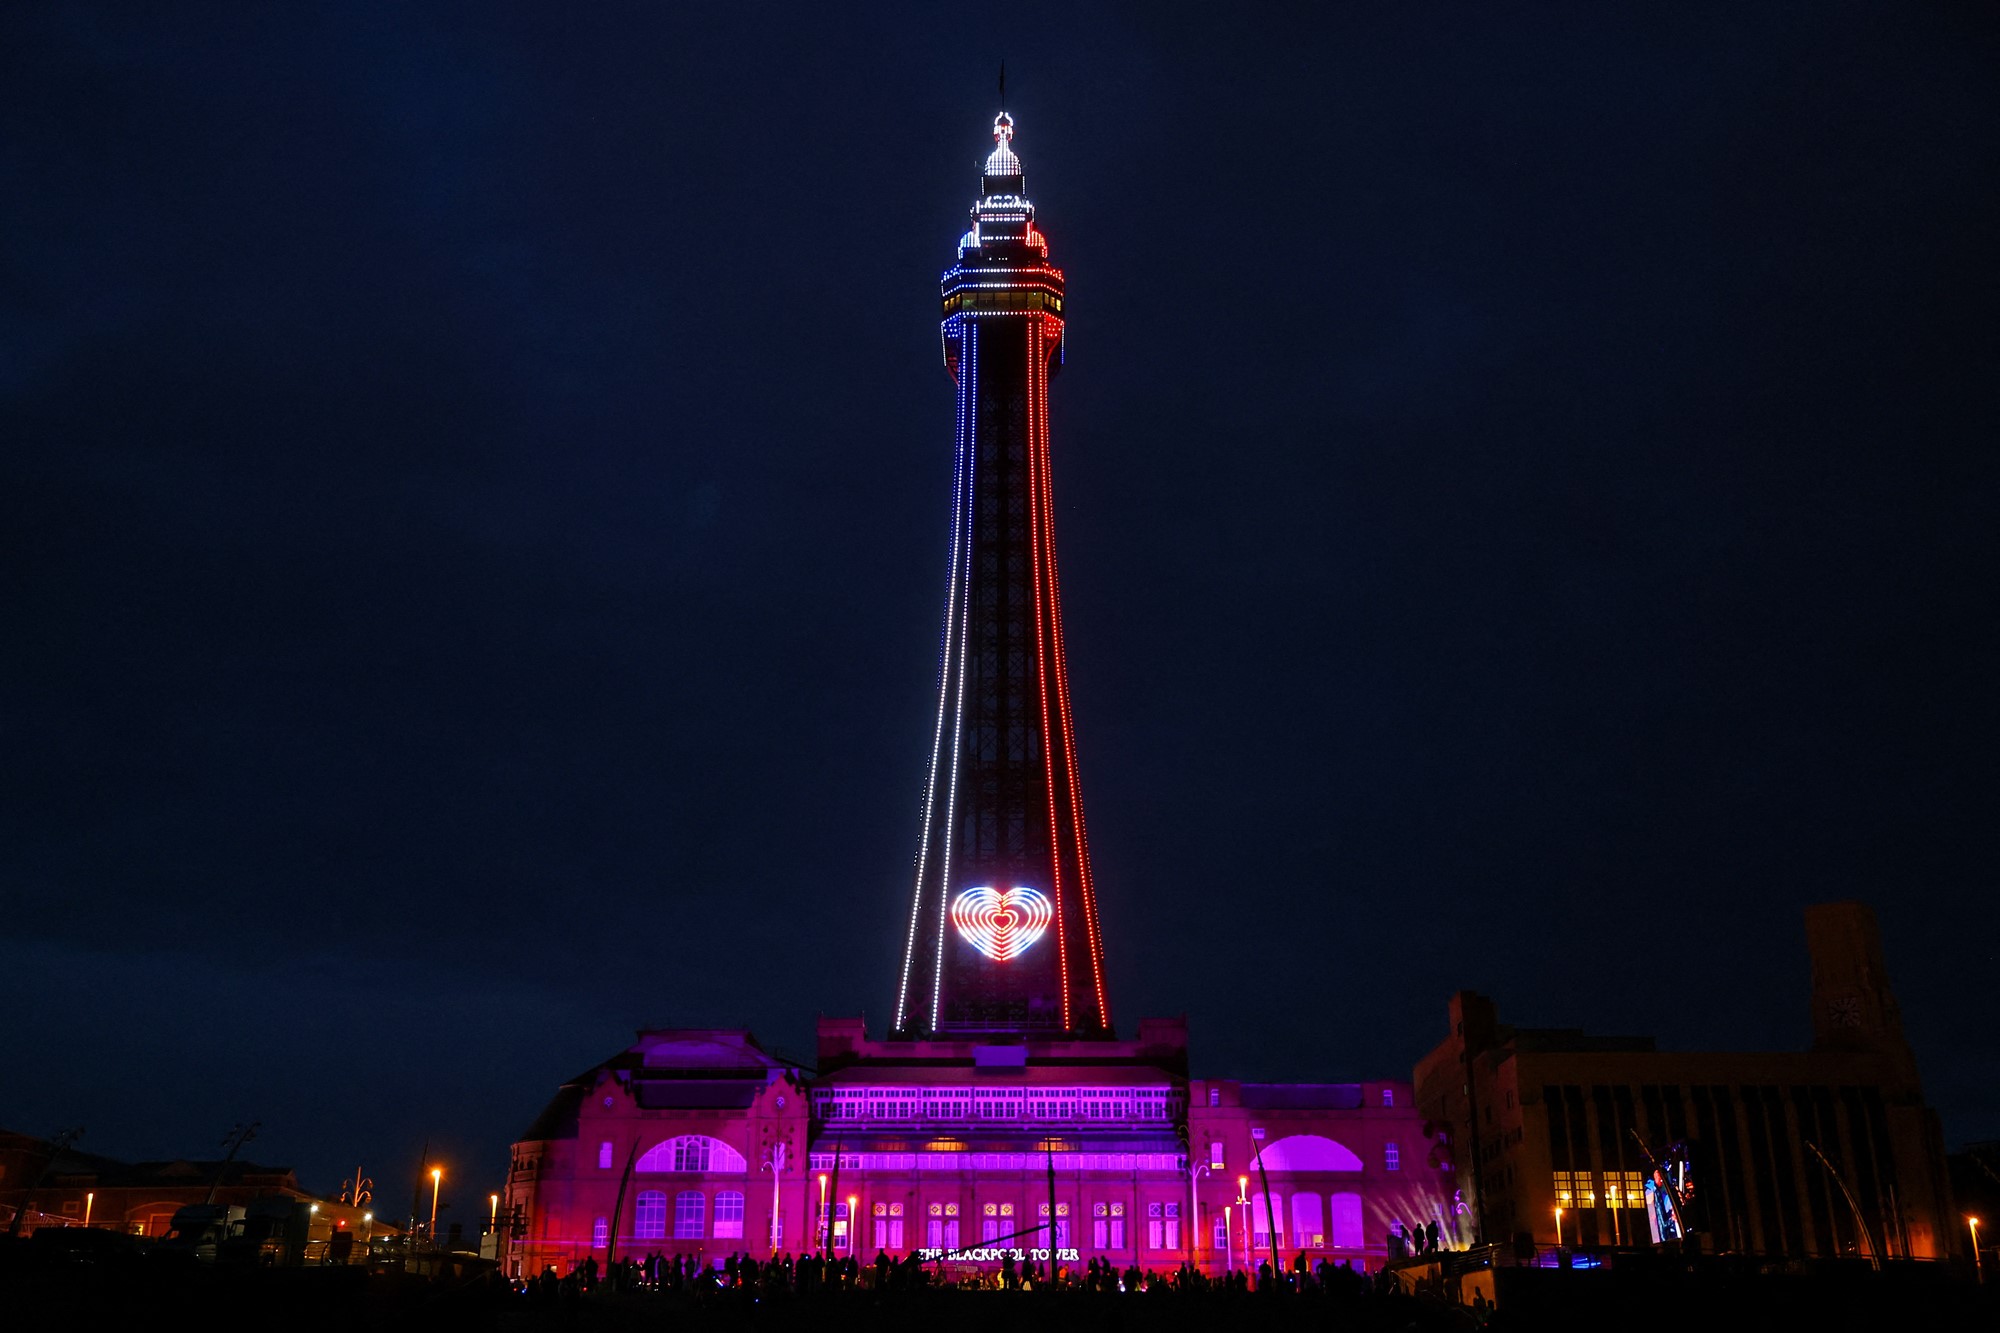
point(1000, 1116)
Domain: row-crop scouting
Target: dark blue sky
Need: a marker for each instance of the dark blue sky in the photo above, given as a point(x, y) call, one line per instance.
point(474, 487)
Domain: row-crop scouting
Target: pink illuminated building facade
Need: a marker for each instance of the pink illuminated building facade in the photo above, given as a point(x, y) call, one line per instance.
point(1001, 1114)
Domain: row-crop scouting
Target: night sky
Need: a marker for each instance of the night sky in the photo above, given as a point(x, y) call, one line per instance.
point(475, 491)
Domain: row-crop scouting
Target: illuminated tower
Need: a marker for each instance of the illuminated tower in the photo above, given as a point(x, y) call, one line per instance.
point(1003, 933)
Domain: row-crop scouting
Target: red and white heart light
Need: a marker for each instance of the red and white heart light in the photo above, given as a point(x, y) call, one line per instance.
point(1001, 923)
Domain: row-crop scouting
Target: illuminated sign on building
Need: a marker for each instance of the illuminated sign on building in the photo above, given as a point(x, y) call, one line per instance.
point(1001, 923)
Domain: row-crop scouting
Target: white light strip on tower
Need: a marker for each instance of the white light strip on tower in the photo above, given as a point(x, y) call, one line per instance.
point(937, 738)
point(969, 396)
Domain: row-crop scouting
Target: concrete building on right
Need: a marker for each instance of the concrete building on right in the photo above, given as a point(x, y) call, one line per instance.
point(1567, 1140)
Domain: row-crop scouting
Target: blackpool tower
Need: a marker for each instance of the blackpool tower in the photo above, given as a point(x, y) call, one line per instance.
point(1003, 931)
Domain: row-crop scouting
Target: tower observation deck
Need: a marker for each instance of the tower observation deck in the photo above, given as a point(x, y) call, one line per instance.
point(1003, 929)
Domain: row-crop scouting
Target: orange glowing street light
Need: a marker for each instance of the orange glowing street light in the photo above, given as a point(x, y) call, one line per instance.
point(437, 1178)
point(1559, 1226)
point(1978, 1264)
point(853, 1223)
point(825, 1217)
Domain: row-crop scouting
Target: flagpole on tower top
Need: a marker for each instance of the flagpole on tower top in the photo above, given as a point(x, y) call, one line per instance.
point(1003, 85)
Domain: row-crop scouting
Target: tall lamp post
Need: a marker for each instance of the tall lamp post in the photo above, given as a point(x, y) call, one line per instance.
point(1243, 1211)
point(825, 1228)
point(437, 1181)
point(774, 1162)
point(1978, 1264)
point(1195, 1171)
point(1559, 1226)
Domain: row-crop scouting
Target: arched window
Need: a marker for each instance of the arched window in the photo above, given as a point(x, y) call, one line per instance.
point(1392, 1157)
point(692, 1152)
point(1347, 1234)
point(650, 1223)
point(600, 1233)
point(690, 1208)
point(1309, 1152)
point(728, 1215)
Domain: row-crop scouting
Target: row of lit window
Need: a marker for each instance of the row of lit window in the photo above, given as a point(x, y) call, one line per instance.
point(1578, 1189)
point(690, 1217)
point(1014, 300)
point(1066, 1106)
point(1315, 1220)
point(691, 1220)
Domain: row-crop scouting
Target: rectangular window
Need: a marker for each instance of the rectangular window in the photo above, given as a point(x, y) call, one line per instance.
point(1215, 1096)
point(690, 1208)
point(1392, 1157)
point(1388, 1096)
point(649, 1218)
point(1215, 1155)
point(600, 1233)
point(1564, 1198)
point(604, 1155)
point(729, 1215)
point(1585, 1185)
point(1173, 1226)
point(1635, 1190)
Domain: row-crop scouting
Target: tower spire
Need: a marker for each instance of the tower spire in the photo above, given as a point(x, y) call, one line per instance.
point(1003, 929)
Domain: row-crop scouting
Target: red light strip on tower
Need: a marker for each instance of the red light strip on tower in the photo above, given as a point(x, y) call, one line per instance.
point(1037, 520)
point(1088, 888)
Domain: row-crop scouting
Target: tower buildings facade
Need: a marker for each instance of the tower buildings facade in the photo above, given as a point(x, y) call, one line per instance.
point(1000, 1118)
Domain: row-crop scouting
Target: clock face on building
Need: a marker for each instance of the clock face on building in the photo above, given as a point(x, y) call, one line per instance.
point(1845, 1011)
point(1001, 923)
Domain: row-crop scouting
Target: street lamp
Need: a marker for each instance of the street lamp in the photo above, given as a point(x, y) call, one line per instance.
point(825, 1218)
point(1559, 1226)
point(1196, 1170)
point(1978, 1264)
point(493, 1213)
point(774, 1162)
point(853, 1223)
point(368, 1227)
point(1243, 1209)
point(1228, 1239)
point(90, 1199)
point(437, 1178)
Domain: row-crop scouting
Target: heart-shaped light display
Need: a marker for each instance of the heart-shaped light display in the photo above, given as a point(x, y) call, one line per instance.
point(1001, 923)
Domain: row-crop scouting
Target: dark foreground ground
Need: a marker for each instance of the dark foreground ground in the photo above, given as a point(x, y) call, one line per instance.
point(312, 1300)
point(93, 1296)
